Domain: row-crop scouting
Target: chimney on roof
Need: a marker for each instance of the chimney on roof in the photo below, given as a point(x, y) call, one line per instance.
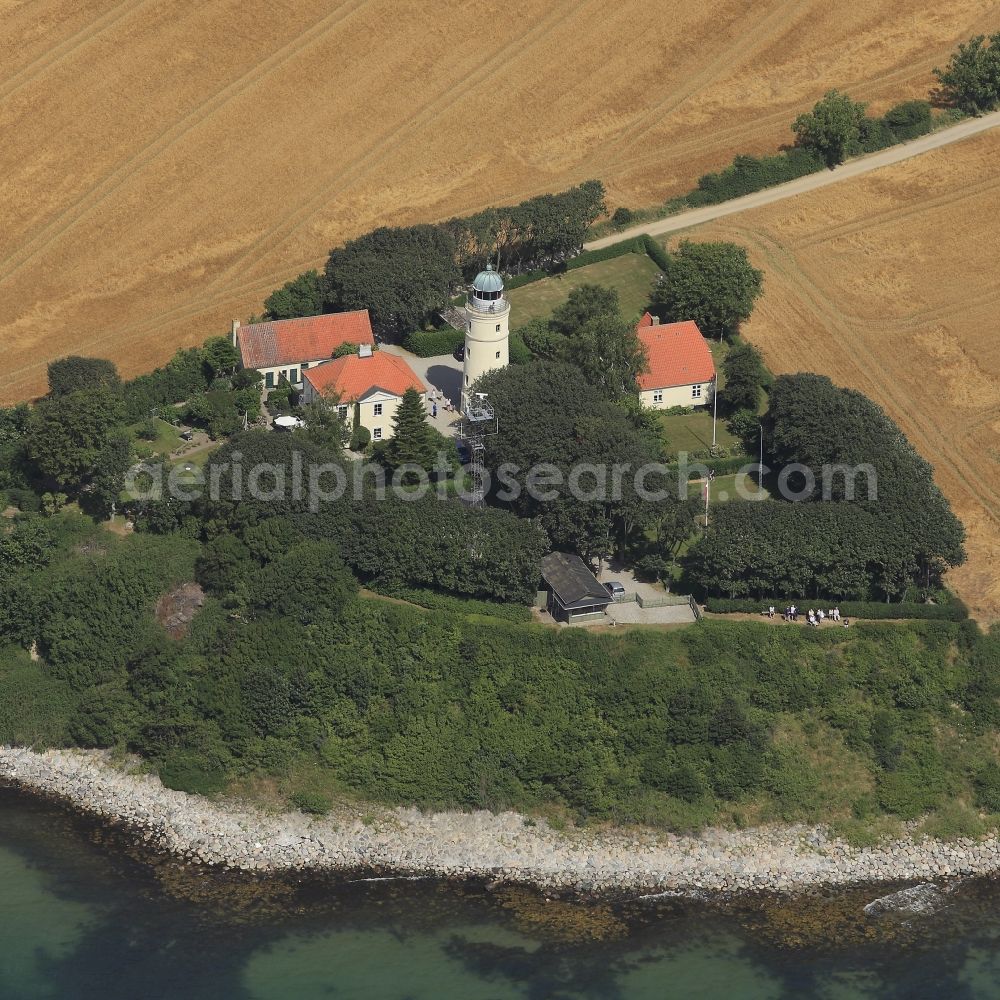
point(364, 350)
point(236, 330)
point(655, 319)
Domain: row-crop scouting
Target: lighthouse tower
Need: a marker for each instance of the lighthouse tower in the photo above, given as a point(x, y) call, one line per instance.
point(487, 330)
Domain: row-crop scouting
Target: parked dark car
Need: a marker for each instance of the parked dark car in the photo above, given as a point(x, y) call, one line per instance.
point(460, 352)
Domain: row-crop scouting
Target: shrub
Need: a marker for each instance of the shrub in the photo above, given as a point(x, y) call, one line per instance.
point(314, 803)
point(987, 786)
point(909, 120)
point(187, 771)
point(361, 437)
point(623, 217)
point(431, 343)
point(747, 174)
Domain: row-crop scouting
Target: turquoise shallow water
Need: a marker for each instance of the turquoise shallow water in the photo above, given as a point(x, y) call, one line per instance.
point(81, 915)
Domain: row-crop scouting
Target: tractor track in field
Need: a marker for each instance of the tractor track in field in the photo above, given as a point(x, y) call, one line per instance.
point(429, 113)
point(167, 140)
point(876, 373)
point(67, 47)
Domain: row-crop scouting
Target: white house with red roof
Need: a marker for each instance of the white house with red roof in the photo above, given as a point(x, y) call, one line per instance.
point(368, 388)
point(284, 349)
point(679, 366)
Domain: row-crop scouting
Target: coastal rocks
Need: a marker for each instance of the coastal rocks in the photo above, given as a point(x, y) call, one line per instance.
point(497, 847)
point(915, 899)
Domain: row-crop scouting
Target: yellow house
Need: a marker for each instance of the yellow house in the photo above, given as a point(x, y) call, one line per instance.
point(679, 366)
point(368, 388)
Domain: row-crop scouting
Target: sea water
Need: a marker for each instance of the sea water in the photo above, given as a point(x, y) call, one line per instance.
point(84, 914)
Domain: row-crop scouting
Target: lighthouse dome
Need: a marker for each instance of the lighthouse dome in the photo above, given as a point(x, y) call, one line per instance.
point(488, 281)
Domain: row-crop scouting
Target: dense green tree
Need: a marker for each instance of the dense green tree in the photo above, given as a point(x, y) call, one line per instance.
point(549, 415)
point(971, 80)
point(744, 372)
point(75, 373)
point(107, 479)
point(832, 128)
point(446, 545)
point(857, 453)
point(14, 422)
point(540, 232)
point(68, 433)
point(585, 304)
point(401, 276)
point(713, 284)
point(27, 543)
point(223, 564)
point(220, 356)
point(541, 340)
point(413, 440)
point(302, 296)
point(608, 351)
point(307, 582)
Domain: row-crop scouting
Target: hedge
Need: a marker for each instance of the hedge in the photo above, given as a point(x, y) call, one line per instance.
point(656, 253)
point(518, 280)
point(747, 174)
point(606, 253)
point(954, 611)
point(431, 343)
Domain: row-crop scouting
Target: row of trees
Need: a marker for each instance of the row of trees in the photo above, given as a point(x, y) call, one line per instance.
point(402, 276)
point(871, 522)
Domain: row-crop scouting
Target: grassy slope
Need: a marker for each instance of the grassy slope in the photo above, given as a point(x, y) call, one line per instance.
point(632, 275)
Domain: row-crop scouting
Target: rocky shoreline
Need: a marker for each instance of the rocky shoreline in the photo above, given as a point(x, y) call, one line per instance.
point(504, 847)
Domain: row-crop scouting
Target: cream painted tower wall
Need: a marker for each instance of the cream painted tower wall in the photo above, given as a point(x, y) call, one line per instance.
point(487, 330)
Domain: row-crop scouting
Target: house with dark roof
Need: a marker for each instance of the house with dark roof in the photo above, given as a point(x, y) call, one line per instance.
point(679, 366)
point(284, 349)
point(574, 594)
point(367, 388)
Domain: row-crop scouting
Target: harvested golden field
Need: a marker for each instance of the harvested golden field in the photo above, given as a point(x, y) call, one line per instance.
point(164, 165)
point(890, 283)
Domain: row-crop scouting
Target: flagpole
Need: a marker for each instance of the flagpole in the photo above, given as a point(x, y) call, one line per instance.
point(715, 404)
point(708, 486)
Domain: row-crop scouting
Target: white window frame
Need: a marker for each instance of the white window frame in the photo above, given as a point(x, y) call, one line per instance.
point(657, 395)
point(342, 412)
point(377, 409)
point(696, 392)
point(377, 434)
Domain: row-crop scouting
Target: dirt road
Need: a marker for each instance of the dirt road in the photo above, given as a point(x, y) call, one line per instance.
point(853, 168)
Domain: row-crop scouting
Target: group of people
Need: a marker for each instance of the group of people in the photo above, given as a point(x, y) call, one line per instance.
point(813, 617)
point(436, 397)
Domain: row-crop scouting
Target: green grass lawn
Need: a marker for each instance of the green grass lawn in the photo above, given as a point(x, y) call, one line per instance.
point(167, 438)
point(631, 274)
point(692, 432)
point(724, 489)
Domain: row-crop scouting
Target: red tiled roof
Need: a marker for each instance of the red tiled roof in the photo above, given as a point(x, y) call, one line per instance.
point(677, 354)
point(353, 377)
point(292, 341)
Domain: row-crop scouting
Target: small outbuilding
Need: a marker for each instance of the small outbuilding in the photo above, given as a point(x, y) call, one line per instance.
point(575, 595)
